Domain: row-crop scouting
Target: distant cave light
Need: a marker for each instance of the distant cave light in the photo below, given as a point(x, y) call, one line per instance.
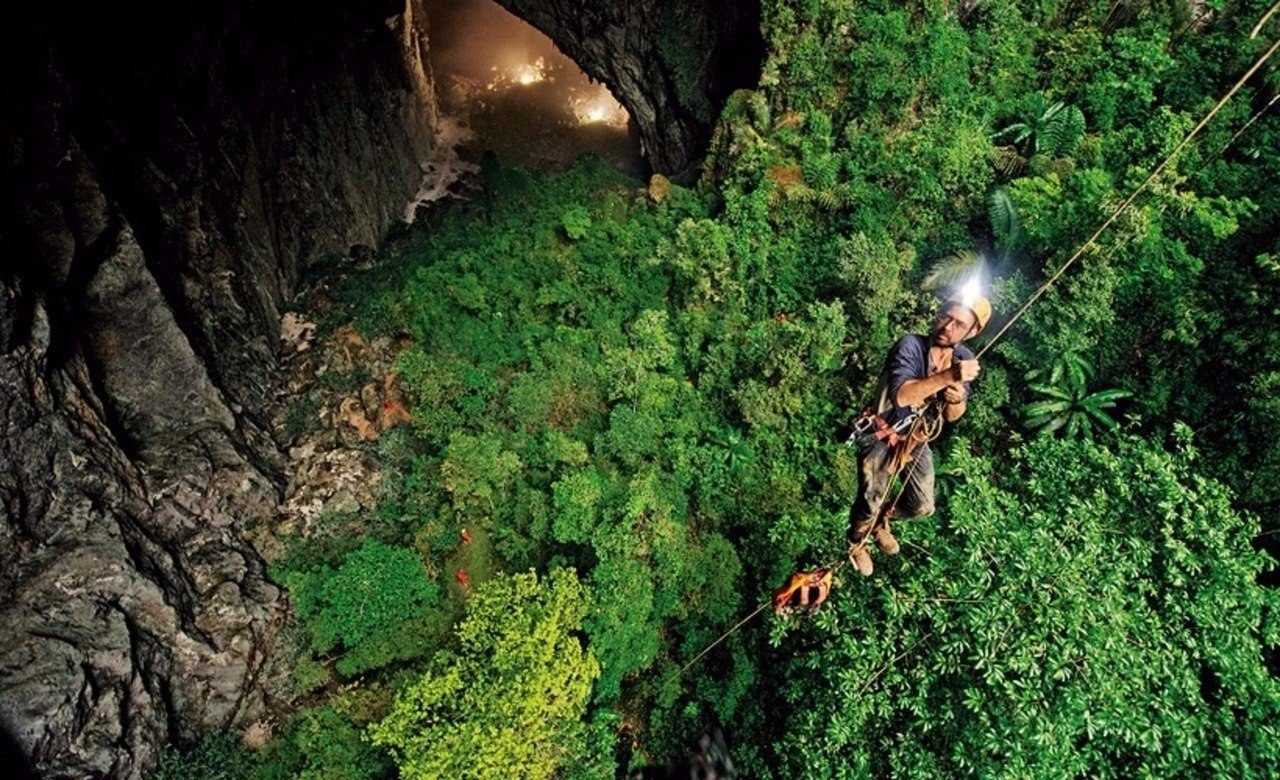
point(600, 108)
point(519, 96)
point(524, 74)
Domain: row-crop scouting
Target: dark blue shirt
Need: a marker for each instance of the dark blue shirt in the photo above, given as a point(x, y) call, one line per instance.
point(909, 359)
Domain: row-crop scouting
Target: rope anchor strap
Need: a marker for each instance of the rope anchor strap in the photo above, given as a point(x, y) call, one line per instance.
point(804, 592)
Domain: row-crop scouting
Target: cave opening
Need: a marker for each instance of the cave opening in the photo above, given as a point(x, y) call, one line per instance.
point(504, 87)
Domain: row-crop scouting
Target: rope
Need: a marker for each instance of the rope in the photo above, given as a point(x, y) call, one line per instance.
point(721, 638)
point(1124, 205)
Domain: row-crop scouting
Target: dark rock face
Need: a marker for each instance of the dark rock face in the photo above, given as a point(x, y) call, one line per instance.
point(165, 174)
point(672, 63)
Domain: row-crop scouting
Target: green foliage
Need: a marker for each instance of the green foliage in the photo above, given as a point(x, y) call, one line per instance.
point(510, 701)
point(953, 271)
point(577, 223)
point(699, 255)
point(1048, 129)
point(1081, 612)
point(377, 607)
point(1067, 403)
point(334, 748)
point(648, 392)
point(219, 756)
point(1005, 223)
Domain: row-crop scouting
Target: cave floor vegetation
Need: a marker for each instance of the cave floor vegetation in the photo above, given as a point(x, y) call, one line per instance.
point(591, 421)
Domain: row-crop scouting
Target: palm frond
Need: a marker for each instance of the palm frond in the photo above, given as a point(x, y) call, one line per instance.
point(1078, 371)
point(1054, 424)
point(1102, 417)
point(951, 269)
point(1054, 392)
point(1043, 408)
point(1106, 398)
point(1062, 132)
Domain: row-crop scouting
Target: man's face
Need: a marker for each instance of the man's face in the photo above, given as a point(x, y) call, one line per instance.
point(952, 326)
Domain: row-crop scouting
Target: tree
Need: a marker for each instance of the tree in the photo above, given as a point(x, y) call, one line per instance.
point(377, 607)
point(510, 701)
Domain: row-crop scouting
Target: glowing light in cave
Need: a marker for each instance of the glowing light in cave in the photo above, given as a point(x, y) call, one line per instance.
point(520, 96)
point(599, 108)
point(520, 74)
point(531, 73)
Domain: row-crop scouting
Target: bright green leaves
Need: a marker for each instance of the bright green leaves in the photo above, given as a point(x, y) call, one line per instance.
point(623, 628)
point(577, 499)
point(699, 256)
point(1049, 129)
point(477, 473)
point(791, 358)
point(510, 702)
point(576, 222)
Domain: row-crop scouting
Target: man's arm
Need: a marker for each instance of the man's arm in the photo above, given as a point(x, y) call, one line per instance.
point(956, 402)
point(913, 392)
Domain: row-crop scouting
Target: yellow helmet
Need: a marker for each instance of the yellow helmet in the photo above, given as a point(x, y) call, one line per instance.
point(974, 302)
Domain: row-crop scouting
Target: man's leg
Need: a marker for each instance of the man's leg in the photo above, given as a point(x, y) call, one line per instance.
point(917, 495)
point(912, 496)
point(873, 483)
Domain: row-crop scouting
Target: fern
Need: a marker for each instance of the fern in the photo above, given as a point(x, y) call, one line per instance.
point(830, 199)
point(1007, 161)
point(1004, 217)
point(1063, 132)
point(1048, 129)
point(821, 171)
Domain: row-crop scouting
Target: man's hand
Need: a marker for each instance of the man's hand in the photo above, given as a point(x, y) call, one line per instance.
point(955, 405)
point(913, 392)
point(964, 370)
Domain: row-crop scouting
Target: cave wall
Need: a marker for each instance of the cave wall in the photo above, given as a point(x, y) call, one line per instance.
point(167, 172)
point(672, 63)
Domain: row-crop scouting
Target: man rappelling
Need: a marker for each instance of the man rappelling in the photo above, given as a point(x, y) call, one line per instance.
point(925, 384)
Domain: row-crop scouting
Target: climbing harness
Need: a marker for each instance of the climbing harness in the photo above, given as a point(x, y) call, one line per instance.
point(872, 424)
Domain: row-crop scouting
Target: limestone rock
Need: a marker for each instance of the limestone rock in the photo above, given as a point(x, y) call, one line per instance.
point(160, 200)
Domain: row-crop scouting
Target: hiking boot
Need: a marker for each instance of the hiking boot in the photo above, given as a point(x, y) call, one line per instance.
point(885, 541)
point(861, 559)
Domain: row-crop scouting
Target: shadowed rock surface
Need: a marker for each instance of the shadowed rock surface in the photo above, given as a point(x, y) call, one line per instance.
point(162, 194)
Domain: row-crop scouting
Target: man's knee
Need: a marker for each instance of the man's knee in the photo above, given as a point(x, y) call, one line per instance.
point(921, 508)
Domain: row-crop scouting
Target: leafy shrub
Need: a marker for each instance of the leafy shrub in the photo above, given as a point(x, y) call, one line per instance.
point(219, 756)
point(510, 701)
point(377, 607)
